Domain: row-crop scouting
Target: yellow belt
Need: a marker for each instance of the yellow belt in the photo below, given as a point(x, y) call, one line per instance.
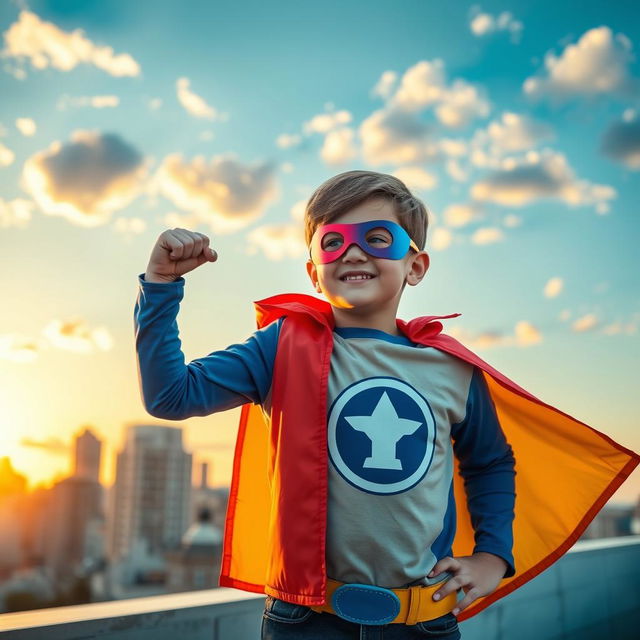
point(416, 603)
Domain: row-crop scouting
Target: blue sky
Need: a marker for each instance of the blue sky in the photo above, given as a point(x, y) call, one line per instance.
point(516, 123)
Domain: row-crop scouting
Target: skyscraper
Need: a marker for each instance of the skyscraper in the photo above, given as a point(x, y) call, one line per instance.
point(75, 513)
point(151, 492)
point(87, 458)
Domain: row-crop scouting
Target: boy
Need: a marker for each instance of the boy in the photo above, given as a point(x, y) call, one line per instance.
point(362, 414)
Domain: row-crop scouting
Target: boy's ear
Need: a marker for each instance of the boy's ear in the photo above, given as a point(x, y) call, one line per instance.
point(313, 275)
point(419, 266)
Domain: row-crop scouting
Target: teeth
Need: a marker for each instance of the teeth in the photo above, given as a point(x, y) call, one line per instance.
point(360, 277)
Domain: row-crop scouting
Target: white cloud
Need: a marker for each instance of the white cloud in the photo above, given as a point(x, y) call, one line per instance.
point(18, 348)
point(441, 238)
point(484, 24)
point(565, 314)
point(26, 126)
point(597, 64)
point(524, 335)
point(512, 132)
point(541, 175)
point(97, 102)
point(416, 178)
point(15, 213)
point(394, 137)
point(511, 221)
point(456, 171)
point(629, 328)
point(87, 179)
point(585, 323)
point(461, 104)
point(278, 241)
point(339, 146)
point(325, 122)
point(459, 215)
point(298, 209)
point(453, 147)
point(6, 156)
point(424, 85)
point(286, 140)
point(223, 192)
point(193, 103)
point(385, 84)
point(553, 287)
point(44, 45)
point(129, 227)
point(155, 104)
point(487, 235)
point(74, 335)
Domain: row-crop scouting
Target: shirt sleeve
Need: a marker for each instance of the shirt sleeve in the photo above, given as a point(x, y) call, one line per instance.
point(486, 464)
point(222, 380)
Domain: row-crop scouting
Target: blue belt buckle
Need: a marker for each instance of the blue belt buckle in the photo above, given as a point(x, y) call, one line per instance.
point(365, 604)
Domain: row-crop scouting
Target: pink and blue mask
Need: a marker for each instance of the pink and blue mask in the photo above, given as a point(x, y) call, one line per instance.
point(378, 238)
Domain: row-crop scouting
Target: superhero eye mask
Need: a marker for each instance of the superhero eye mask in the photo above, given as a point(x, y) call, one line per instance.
point(378, 238)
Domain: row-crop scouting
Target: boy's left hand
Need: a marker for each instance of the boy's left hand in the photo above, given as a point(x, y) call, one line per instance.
point(478, 575)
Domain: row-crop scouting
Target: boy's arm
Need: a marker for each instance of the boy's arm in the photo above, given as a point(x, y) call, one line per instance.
point(222, 380)
point(487, 465)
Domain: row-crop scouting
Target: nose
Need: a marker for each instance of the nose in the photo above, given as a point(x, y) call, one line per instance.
point(354, 254)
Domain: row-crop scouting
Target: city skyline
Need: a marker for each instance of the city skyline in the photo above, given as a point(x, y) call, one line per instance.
point(516, 123)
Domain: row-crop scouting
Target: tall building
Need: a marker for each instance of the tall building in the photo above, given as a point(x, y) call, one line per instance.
point(74, 515)
point(151, 501)
point(75, 518)
point(87, 456)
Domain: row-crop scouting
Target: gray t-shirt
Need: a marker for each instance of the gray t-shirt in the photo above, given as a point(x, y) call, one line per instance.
point(396, 414)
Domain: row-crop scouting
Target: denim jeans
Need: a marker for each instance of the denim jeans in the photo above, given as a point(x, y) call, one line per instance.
point(285, 621)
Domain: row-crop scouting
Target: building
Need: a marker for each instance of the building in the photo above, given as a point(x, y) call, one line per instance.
point(196, 564)
point(213, 499)
point(73, 516)
point(151, 502)
point(87, 456)
point(611, 521)
point(75, 539)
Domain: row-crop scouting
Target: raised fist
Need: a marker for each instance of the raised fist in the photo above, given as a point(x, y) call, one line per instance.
point(176, 252)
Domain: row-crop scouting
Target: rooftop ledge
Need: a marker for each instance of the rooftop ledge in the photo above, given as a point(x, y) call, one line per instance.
point(230, 613)
point(121, 608)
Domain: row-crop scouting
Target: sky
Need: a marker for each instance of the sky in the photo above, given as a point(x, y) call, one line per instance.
point(516, 123)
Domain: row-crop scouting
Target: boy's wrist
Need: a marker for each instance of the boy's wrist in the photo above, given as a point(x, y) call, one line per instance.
point(149, 276)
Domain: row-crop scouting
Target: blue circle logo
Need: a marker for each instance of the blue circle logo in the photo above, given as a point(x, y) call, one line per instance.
point(381, 435)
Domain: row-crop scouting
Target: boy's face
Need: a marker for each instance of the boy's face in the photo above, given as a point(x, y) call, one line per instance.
point(360, 284)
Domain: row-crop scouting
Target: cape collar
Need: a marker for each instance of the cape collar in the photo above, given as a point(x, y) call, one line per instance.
point(417, 330)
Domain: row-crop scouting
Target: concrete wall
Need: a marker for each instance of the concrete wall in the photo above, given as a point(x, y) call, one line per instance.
point(591, 593)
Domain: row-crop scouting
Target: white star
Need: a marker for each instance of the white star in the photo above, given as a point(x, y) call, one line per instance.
point(384, 428)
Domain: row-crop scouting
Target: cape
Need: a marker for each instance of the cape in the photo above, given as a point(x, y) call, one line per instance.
point(275, 528)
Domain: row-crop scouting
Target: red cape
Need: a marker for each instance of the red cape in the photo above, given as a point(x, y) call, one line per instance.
point(276, 518)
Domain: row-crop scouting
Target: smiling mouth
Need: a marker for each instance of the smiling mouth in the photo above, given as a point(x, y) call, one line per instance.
point(352, 277)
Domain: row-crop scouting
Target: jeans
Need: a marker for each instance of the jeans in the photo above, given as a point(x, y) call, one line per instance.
point(285, 621)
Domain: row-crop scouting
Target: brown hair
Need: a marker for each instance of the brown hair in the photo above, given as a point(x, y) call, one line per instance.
point(347, 190)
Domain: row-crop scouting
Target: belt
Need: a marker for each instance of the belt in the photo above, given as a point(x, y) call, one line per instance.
point(365, 604)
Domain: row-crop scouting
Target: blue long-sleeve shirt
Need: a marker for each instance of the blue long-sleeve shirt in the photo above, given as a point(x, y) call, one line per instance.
point(242, 373)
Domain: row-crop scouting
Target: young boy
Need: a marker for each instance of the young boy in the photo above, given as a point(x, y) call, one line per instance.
point(368, 428)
